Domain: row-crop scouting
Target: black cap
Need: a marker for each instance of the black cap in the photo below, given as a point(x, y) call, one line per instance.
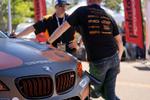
point(61, 2)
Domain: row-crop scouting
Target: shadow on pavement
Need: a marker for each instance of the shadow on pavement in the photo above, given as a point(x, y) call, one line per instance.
point(141, 68)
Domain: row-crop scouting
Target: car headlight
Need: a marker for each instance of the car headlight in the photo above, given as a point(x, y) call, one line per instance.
point(3, 87)
point(84, 82)
point(79, 69)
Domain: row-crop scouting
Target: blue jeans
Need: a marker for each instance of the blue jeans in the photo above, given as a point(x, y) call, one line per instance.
point(106, 71)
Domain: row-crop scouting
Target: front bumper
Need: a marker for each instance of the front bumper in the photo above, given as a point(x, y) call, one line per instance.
point(79, 92)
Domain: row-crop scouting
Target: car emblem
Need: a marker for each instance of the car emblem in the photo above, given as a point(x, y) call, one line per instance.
point(47, 68)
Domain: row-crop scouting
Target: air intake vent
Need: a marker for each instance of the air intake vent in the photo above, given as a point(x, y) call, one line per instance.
point(35, 87)
point(64, 82)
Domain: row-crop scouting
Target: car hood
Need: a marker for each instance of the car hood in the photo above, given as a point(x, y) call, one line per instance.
point(23, 53)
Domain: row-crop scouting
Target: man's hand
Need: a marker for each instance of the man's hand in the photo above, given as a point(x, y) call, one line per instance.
point(120, 45)
point(13, 35)
point(49, 41)
point(73, 44)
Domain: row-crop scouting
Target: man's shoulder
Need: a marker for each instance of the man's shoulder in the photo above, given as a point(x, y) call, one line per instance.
point(83, 7)
point(81, 10)
point(48, 17)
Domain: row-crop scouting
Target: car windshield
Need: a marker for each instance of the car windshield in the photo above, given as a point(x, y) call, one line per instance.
point(3, 35)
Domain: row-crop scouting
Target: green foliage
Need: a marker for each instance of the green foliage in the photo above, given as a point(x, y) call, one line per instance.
point(113, 4)
point(20, 9)
point(3, 14)
point(50, 10)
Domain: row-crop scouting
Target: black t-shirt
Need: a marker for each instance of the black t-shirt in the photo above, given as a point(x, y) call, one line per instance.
point(50, 24)
point(98, 31)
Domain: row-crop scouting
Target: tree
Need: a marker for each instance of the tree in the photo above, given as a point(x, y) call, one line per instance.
point(21, 9)
point(113, 4)
point(3, 15)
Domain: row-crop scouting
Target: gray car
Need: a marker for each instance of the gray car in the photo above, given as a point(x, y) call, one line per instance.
point(33, 71)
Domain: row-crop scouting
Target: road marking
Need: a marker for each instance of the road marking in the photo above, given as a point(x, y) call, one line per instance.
point(140, 85)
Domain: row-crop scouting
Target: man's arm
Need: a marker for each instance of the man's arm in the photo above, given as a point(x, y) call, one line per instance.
point(58, 32)
point(25, 32)
point(120, 45)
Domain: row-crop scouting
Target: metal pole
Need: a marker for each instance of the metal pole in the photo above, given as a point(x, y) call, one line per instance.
point(9, 18)
point(147, 21)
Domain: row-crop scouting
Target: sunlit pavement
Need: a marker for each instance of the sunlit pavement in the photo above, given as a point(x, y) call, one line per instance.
point(133, 82)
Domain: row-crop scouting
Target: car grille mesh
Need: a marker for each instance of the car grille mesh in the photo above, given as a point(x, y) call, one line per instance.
point(35, 87)
point(39, 87)
point(64, 82)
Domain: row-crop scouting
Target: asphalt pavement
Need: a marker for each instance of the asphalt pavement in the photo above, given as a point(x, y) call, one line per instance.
point(133, 82)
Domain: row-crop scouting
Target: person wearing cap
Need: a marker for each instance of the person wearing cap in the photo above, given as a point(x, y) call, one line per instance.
point(103, 45)
point(66, 42)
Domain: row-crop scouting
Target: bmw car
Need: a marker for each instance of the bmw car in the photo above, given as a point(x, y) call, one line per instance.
point(33, 71)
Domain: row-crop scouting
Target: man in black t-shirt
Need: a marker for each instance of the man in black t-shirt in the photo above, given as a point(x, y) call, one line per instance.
point(102, 42)
point(50, 23)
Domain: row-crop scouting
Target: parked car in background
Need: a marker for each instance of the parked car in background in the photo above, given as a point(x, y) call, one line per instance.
point(29, 71)
point(22, 26)
point(3, 35)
